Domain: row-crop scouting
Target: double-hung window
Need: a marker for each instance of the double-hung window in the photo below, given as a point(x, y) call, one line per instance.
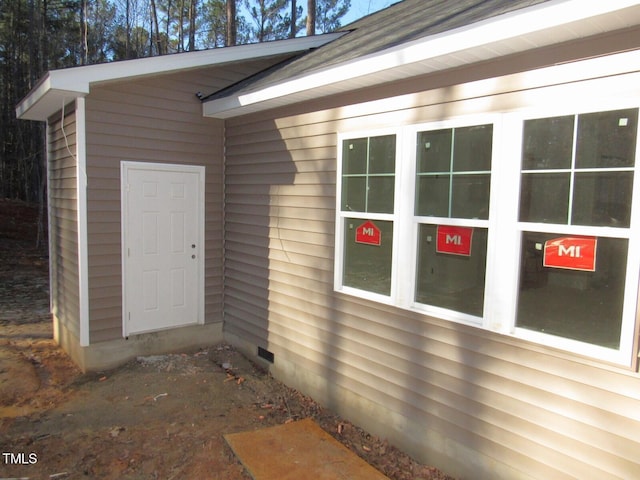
point(367, 212)
point(576, 185)
point(453, 177)
point(521, 223)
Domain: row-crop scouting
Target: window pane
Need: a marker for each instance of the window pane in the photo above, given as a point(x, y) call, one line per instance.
point(470, 196)
point(576, 304)
point(368, 267)
point(381, 191)
point(433, 196)
point(448, 280)
point(434, 151)
point(607, 139)
point(382, 154)
point(354, 156)
point(368, 174)
point(472, 148)
point(353, 193)
point(547, 143)
point(544, 197)
point(602, 199)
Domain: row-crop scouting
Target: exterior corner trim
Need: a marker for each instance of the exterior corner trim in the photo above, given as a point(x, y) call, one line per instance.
point(83, 243)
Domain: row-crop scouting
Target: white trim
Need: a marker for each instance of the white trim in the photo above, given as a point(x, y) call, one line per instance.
point(83, 247)
point(47, 166)
point(502, 281)
point(532, 27)
point(409, 214)
point(512, 228)
point(76, 82)
point(200, 170)
point(124, 189)
point(341, 215)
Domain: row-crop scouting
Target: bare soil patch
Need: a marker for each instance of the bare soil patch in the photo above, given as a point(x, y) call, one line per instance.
point(158, 417)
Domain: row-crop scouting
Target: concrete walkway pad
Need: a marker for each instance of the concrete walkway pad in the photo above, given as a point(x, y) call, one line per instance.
point(298, 450)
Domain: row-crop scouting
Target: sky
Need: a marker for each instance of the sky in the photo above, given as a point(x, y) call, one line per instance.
point(361, 8)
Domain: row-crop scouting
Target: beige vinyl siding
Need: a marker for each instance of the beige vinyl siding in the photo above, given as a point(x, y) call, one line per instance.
point(63, 218)
point(160, 120)
point(526, 409)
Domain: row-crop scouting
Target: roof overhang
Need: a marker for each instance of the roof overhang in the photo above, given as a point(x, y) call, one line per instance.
point(62, 86)
point(545, 24)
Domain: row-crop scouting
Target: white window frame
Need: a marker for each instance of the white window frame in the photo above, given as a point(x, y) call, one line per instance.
point(623, 354)
point(409, 216)
point(504, 228)
point(341, 215)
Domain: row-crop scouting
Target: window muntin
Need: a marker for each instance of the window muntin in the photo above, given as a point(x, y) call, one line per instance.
point(368, 174)
point(454, 172)
point(581, 189)
point(453, 175)
point(367, 207)
point(577, 171)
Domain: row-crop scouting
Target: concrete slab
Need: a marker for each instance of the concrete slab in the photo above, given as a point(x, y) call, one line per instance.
point(298, 450)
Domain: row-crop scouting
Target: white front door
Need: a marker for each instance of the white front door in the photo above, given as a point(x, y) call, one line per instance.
point(162, 235)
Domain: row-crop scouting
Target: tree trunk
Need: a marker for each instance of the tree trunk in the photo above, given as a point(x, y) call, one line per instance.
point(294, 19)
point(180, 45)
point(127, 39)
point(192, 25)
point(154, 14)
point(311, 17)
point(231, 23)
point(165, 41)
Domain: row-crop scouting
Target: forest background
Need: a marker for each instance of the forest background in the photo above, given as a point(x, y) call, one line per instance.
point(41, 35)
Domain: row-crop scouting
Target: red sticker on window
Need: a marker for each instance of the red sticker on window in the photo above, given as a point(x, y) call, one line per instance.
point(572, 253)
point(454, 240)
point(368, 233)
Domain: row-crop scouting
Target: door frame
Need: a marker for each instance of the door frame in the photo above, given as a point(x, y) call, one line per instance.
point(125, 167)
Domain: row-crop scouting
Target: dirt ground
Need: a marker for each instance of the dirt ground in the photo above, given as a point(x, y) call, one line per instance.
point(158, 417)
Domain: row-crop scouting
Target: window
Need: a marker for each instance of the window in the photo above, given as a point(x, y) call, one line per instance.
point(518, 223)
point(453, 175)
point(577, 171)
point(368, 186)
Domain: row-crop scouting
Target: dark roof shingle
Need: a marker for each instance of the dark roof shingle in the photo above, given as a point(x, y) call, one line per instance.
point(399, 23)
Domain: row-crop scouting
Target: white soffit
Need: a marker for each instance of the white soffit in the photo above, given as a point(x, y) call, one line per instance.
point(64, 85)
point(533, 27)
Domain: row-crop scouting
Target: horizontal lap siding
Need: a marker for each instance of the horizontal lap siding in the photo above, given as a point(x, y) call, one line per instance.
point(63, 228)
point(152, 120)
point(524, 406)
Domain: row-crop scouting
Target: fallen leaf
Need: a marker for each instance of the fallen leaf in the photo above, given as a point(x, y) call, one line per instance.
point(115, 431)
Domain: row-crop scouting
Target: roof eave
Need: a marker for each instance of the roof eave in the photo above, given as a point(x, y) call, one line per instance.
point(47, 97)
point(518, 31)
point(59, 86)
